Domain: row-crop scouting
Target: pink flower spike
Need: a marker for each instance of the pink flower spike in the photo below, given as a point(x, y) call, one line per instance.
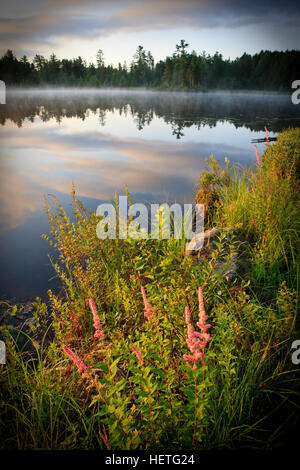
point(267, 134)
point(258, 158)
point(190, 359)
point(97, 324)
point(187, 315)
point(76, 359)
point(196, 341)
point(99, 333)
point(148, 308)
point(137, 353)
point(200, 300)
point(202, 315)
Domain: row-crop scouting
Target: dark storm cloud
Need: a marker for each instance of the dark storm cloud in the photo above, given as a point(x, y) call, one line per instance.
point(51, 21)
point(210, 13)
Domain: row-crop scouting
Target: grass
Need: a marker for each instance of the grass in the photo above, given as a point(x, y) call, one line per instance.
point(139, 392)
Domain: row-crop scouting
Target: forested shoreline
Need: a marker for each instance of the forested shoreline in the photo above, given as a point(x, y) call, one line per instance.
point(266, 70)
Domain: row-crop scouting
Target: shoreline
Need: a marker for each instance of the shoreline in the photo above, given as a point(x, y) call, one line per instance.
point(120, 90)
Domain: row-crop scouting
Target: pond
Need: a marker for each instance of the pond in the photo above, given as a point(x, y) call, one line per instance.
point(154, 142)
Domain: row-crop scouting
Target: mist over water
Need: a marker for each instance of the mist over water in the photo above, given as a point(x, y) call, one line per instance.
point(155, 142)
point(251, 109)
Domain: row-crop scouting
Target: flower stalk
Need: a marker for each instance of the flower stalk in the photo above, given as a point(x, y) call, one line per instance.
point(76, 359)
point(99, 333)
point(137, 353)
point(258, 158)
point(197, 341)
point(149, 312)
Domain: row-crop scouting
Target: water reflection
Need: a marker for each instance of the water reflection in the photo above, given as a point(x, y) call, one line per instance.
point(180, 110)
point(156, 143)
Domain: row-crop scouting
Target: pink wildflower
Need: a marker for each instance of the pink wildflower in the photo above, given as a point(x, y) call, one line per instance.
point(137, 353)
point(202, 315)
point(267, 134)
point(148, 308)
point(187, 315)
point(197, 341)
point(258, 158)
point(76, 359)
point(99, 333)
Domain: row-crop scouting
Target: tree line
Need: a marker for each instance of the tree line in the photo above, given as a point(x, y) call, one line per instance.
point(266, 70)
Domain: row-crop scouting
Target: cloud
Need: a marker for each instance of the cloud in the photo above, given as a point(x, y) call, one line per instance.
point(50, 22)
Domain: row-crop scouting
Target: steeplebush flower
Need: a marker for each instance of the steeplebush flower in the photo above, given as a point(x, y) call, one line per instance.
point(258, 158)
point(149, 312)
point(202, 315)
point(197, 341)
point(76, 359)
point(137, 353)
point(99, 333)
point(267, 134)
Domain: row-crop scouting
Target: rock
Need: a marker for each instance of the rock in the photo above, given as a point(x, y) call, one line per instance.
point(229, 262)
point(202, 240)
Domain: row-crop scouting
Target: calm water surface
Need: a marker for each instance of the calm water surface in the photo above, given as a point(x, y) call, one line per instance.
point(156, 143)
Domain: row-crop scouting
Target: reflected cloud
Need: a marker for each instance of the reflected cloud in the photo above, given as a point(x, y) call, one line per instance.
point(18, 198)
point(62, 139)
point(101, 164)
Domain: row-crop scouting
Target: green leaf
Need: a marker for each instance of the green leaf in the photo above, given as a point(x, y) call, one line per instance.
point(14, 311)
point(102, 366)
point(139, 265)
point(159, 372)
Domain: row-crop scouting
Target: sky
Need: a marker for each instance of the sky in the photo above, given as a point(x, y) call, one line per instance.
point(74, 27)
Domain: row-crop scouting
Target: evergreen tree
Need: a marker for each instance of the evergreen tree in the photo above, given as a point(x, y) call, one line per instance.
point(265, 70)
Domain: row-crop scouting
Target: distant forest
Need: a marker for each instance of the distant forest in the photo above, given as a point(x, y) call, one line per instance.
point(267, 70)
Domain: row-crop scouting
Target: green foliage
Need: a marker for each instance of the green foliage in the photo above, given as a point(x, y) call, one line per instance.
point(265, 206)
point(13, 311)
point(211, 187)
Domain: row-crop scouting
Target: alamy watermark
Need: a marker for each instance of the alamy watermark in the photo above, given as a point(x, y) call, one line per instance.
point(296, 94)
point(296, 353)
point(2, 352)
point(2, 92)
point(161, 221)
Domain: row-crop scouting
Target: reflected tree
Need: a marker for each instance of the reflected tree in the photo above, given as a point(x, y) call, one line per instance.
point(199, 109)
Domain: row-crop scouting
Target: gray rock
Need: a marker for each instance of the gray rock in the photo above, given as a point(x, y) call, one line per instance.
point(201, 241)
point(229, 262)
